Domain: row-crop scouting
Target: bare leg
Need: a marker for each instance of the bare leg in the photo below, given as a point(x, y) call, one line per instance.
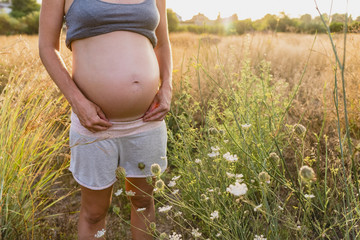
point(94, 206)
point(140, 220)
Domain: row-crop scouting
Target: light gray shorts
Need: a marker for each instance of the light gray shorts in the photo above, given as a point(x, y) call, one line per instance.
point(96, 156)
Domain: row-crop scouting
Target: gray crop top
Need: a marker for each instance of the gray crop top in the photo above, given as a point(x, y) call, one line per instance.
point(88, 18)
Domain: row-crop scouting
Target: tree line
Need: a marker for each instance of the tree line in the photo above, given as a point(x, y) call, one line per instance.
point(24, 19)
point(269, 23)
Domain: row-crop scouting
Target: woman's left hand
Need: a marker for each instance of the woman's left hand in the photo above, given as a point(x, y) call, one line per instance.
point(160, 105)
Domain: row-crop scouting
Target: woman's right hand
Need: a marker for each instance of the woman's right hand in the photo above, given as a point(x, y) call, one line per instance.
point(90, 115)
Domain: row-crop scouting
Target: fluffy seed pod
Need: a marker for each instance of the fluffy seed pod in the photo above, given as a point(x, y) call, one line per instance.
point(307, 173)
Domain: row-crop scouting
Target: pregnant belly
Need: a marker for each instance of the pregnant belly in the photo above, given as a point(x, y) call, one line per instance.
point(117, 71)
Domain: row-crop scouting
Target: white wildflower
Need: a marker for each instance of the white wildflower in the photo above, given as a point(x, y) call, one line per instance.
point(165, 208)
point(175, 178)
point(218, 234)
point(178, 213)
point(155, 169)
point(100, 233)
point(245, 126)
point(261, 237)
point(281, 208)
point(213, 154)
point(176, 191)
point(118, 192)
point(175, 236)
point(215, 149)
point(141, 209)
point(210, 190)
point(257, 207)
point(196, 233)
point(130, 193)
point(214, 215)
point(172, 184)
point(237, 189)
point(230, 158)
point(309, 196)
point(226, 141)
point(198, 161)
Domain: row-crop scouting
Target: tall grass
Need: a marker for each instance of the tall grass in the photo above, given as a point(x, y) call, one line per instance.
point(33, 134)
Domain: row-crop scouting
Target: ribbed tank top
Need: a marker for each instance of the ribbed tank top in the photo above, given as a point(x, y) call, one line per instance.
point(88, 18)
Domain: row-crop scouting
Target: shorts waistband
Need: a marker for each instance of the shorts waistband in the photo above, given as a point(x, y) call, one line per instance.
point(118, 129)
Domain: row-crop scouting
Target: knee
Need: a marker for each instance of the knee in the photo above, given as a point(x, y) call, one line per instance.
point(94, 216)
point(141, 201)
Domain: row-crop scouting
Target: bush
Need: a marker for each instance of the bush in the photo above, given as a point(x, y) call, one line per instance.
point(9, 25)
point(336, 27)
point(31, 23)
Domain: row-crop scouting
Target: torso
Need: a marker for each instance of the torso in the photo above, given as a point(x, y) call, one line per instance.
point(118, 71)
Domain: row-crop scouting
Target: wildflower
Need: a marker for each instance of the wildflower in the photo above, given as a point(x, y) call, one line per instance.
point(175, 178)
point(264, 177)
point(214, 215)
point(218, 234)
point(246, 126)
point(130, 193)
point(100, 233)
point(120, 173)
point(155, 169)
point(203, 197)
point(261, 237)
point(298, 227)
point(237, 189)
point(230, 158)
point(159, 184)
point(281, 208)
point(141, 209)
point(299, 129)
point(196, 233)
point(257, 207)
point(118, 192)
point(163, 236)
point(175, 236)
point(141, 165)
point(307, 173)
point(198, 161)
point(215, 152)
point(178, 213)
point(210, 190)
point(309, 196)
point(172, 184)
point(165, 208)
point(226, 141)
point(176, 191)
point(273, 156)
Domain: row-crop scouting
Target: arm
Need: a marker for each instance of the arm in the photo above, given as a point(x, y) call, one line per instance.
point(50, 24)
point(161, 104)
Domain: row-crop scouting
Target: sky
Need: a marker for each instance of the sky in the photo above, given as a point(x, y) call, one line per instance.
point(256, 9)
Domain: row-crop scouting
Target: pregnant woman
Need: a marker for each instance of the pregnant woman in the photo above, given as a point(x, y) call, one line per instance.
point(119, 91)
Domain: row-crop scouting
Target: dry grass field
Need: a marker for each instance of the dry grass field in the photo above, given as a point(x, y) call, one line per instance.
point(300, 72)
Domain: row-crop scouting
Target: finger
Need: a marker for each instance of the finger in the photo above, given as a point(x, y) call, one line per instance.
point(153, 106)
point(157, 117)
point(103, 123)
point(153, 112)
point(101, 114)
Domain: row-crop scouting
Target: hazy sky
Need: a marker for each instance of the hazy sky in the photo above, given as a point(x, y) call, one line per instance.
point(256, 9)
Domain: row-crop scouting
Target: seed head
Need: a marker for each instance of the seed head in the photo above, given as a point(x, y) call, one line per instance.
point(159, 184)
point(264, 177)
point(163, 236)
point(120, 173)
point(155, 169)
point(307, 173)
point(273, 156)
point(152, 225)
point(299, 129)
point(141, 165)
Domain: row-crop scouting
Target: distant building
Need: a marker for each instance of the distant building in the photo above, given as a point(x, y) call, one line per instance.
point(5, 6)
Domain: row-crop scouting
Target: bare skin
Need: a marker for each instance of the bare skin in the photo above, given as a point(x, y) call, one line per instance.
point(121, 84)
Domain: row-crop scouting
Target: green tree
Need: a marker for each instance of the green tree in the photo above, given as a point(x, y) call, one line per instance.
point(21, 8)
point(173, 20)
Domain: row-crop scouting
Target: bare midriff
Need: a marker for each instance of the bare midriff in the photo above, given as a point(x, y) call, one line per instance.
point(118, 71)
